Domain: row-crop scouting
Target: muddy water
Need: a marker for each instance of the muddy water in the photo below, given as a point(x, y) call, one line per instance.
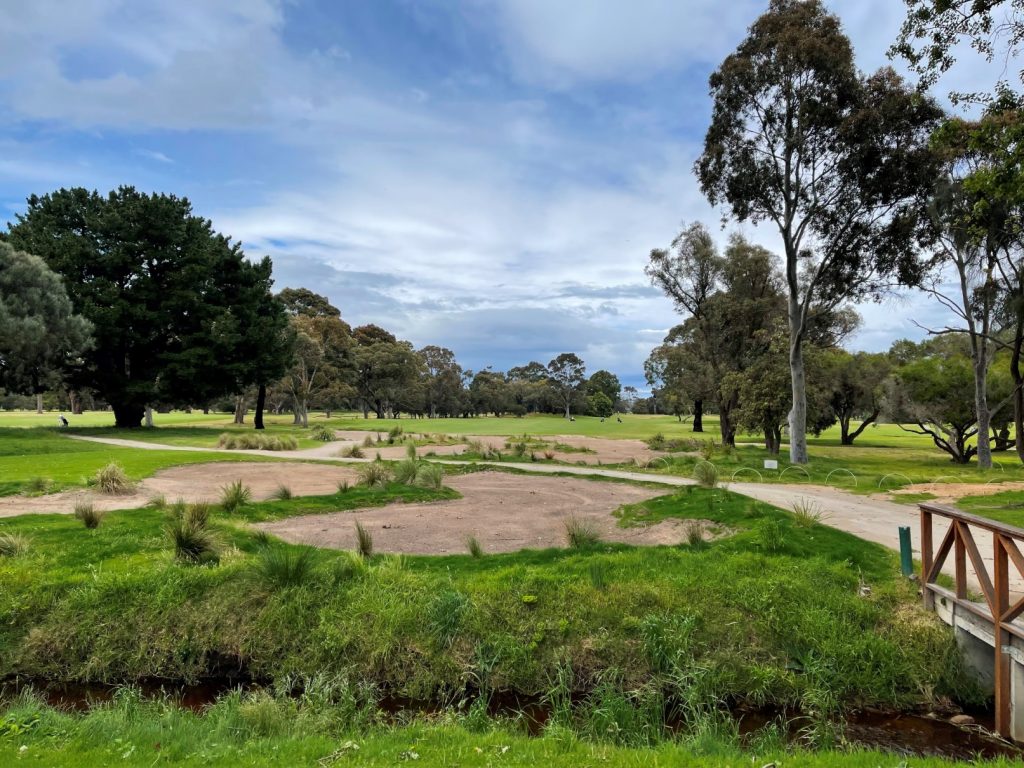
point(898, 733)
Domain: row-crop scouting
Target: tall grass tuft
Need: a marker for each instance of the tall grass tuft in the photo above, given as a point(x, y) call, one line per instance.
point(473, 547)
point(374, 475)
point(283, 493)
point(254, 441)
point(706, 474)
point(368, 442)
point(89, 515)
point(694, 534)
point(410, 451)
point(322, 433)
point(112, 479)
point(352, 452)
point(234, 495)
point(598, 575)
point(430, 476)
point(12, 544)
point(283, 566)
point(581, 534)
point(364, 542)
point(157, 502)
point(445, 616)
point(771, 535)
point(405, 472)
point(344, 487)
point(807, 512)
point(193, 542)
point(393, 434)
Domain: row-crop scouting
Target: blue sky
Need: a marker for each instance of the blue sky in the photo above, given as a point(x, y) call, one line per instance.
point(488, 175)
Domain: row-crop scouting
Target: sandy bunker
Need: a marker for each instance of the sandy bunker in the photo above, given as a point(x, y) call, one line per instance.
point(195, 482)
point(504, 512)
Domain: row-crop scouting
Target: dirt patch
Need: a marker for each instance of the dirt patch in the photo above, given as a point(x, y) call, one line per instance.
point(504, 512)
point(946, 493)
point(193, 482)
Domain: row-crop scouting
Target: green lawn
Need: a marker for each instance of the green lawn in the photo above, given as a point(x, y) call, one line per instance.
point(272, 732)
point(43, 453)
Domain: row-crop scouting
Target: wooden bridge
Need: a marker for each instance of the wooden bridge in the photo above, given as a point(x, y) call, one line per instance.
point(987, 628)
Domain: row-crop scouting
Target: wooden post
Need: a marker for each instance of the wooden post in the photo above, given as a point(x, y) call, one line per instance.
point(960, 562)
point(1001, 604)
point(926, 558)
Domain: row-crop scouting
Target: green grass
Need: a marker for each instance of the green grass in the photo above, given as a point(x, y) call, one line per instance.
point(1006, 507)
point(266, 731)
point(26, 454)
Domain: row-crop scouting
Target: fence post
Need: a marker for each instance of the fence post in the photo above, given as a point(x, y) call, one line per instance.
point(906, 552)
point(926, 558)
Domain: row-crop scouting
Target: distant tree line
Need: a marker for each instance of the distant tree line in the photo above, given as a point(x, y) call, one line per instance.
point(132, 301)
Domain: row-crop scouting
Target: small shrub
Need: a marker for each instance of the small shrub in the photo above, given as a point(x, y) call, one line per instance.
point(322, 433)
point(405, 472)
point(197, 515)
point(519, 449)
point(343, 486)
point(283, 493)
point(367, 442)
point(113, 480)
point(234, 495)
point(410, 451)
point(364, 541)
point(707, 450)
point(770, 534)
point(282, 566)
point(807, 512)
point(475, 446)
point(35, 485)
point(157, 502)
point(89, 515)
point(430, 475)
point(473, 547)
point(374, 475)
point(353, 452)
point(581, 534)
point(706, 474)
point(393, 434)
point(12, 544)
point(549, 455)
point(656, 442)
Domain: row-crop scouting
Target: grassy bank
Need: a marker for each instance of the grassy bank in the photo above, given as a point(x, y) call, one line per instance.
point(776, 613)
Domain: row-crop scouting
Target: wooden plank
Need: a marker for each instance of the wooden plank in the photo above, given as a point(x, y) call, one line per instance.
point(979, 565)
point(960, 562)
point(926, 557)
point(1001, 597)
point(1011, 549)
point(953, 513)
point(940, 556)
point(1013, 612)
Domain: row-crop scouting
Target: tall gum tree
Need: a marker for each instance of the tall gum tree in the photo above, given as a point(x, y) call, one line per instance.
point(838, 162)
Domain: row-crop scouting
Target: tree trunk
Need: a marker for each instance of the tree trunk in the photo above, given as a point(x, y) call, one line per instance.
point(39, 402)
point(798, 413)
point(149, 417)
point(567, 414)
point(76, 402)
point(305, 414)
point(981, 409)
point(261, 401)
point(726, 427)
point(240, 409)
point(1018, 401)
point(128, 415)
point(698, 415)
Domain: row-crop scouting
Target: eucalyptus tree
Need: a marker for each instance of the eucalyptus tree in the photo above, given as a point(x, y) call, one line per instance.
point(836, 161)
point(566, 376)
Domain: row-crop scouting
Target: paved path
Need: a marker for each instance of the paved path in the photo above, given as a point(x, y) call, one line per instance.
point(871, 519)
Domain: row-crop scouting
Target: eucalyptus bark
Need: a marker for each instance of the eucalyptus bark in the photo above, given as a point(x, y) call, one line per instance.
point(239, 409)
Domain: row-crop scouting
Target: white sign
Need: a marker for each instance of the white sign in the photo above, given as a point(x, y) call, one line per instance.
point(771, 464)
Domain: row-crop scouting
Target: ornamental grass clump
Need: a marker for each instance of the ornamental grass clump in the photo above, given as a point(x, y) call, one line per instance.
point(113, 480)
point(234, 495)
point(194, 543)
point(88, 514)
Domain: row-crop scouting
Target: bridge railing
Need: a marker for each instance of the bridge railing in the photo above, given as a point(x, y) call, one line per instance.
point(995, 586)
